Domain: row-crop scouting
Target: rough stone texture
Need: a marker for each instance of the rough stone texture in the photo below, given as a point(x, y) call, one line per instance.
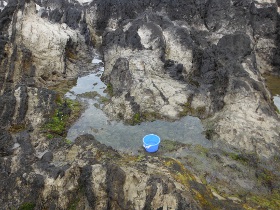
point(53, 51)
point(167, 58)
point(34, 53)
point(94, 180)
point(203, 61)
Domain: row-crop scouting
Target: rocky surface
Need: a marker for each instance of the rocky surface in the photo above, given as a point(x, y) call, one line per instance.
point(205, 62)
point(34, 54)
point(163, 59)
point(88, 175)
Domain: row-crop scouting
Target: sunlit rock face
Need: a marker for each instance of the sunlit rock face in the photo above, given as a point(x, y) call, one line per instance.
point(34, 54)
point(200, 59)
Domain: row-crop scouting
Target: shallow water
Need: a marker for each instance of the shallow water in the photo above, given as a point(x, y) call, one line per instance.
point(123, 137)
point(276, 100)
point(273, 84)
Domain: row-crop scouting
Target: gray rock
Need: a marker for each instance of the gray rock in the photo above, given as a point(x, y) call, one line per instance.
point(47, 157)
point(167, 58)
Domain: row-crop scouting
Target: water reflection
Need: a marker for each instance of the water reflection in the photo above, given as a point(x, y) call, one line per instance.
point(276, 100)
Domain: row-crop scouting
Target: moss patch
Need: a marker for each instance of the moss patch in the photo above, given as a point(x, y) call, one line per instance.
point(142, 117)
point(56, 124)
point(27, 206)
point(238, 157)
point(201, 150)
point(132, 159)
point(67, 141)
point(110, 90)
point(265, 177)
point(50, 136)
point(90, 95)
point(179, 172)
point(103, 100)
point(136, 118)
point(150, 116)
point(271, 201)
point(74, 204)
point(187, 109)
point(63, 116)
point(63, 87)
point(170, 146)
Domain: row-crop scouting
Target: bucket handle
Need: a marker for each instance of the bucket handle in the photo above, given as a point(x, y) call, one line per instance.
point(147, 147)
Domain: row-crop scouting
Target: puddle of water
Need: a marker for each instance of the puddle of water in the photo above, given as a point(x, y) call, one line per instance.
point(87, 84)
point(273, 84)
point(276, 100)
point(96, 61)
point(123, 137)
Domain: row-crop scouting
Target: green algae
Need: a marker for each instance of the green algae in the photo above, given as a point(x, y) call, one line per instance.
point(269, 202)
point(90, 95)
point(63, 116)
point(27, 206)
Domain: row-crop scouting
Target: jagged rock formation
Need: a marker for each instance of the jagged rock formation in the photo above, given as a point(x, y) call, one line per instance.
point(34, 53)
point(171, 58)
point(162, 59)
point(3, 4)
point(84, 176)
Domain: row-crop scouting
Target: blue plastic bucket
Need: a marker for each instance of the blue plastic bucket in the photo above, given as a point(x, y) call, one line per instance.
point(151, 142)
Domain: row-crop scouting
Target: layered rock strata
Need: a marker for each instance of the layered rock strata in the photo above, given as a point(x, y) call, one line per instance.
point(34, 54)
point(171, 59)
point(163, 59)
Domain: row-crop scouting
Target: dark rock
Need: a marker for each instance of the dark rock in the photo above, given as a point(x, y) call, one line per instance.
point(135, 107)
point(6, 143)
point(233, 48)
point(120, 78)
point(7, 108)
point(152, 191)
point(175, 70)
point(22, 110)
point(88, 139)
point(85, 180)
point(115, 179)
point(55, 15)
point(72, 17)
point(216, 13)
point(47, 157)
point(38, 183)
point(263, 20)
point(86, 32)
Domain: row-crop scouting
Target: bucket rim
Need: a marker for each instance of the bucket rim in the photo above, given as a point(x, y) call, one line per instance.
point(152, 135)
